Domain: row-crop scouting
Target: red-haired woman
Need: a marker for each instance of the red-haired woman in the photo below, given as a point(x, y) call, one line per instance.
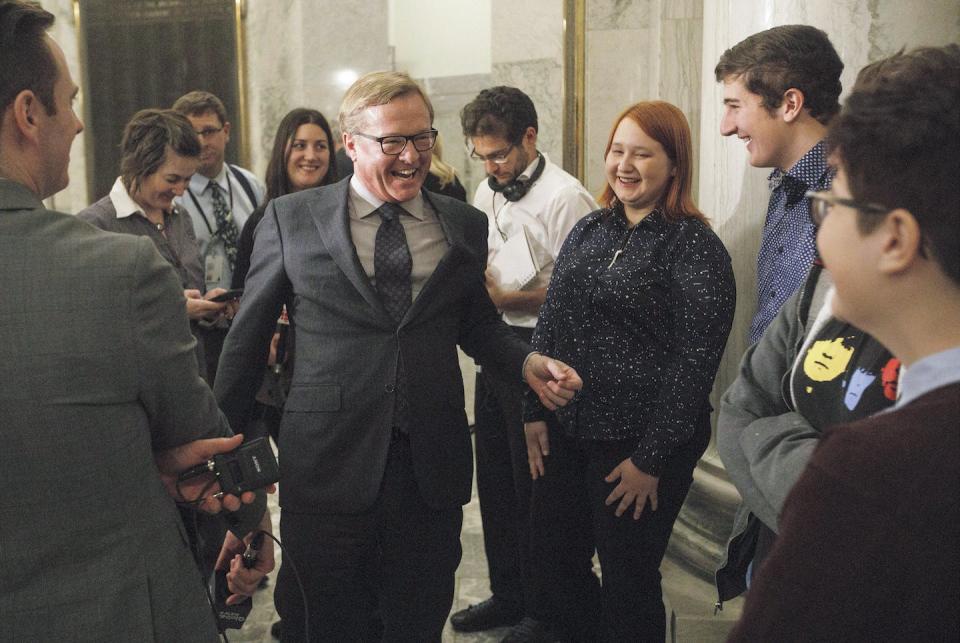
point(640, 303)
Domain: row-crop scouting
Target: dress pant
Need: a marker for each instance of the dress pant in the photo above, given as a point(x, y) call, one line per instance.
point(396, 560)
point(503, 483)
point(569, 520)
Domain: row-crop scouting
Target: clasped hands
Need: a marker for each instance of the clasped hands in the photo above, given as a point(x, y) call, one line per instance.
point(199, 491)
point(635, 487)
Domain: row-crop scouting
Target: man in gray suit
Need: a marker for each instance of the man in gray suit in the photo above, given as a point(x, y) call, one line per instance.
point(101, 404)
point(382, 281)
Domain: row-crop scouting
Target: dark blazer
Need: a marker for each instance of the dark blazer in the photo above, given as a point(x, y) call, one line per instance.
point(338, 417)
point(97, 372)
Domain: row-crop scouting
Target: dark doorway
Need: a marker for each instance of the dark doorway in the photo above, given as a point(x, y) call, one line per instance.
point(147, 53)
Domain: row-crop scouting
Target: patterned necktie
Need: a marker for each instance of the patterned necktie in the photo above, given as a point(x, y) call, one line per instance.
point(226, 229)
point(392, 263)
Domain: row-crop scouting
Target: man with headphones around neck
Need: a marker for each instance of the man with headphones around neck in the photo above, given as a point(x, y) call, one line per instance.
point(524, 194)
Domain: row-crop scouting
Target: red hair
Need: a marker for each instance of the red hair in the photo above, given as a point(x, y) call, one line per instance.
point(667, 125)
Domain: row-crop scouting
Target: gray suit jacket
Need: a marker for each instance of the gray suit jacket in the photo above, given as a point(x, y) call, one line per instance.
point(97, 372)
point(336, 428)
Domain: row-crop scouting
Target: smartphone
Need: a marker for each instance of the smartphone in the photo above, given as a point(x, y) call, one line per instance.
point(230, 295)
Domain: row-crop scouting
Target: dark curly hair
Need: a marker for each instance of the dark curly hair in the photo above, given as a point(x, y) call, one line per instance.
point(898, 141)
point(499, 111)
point(792, 56)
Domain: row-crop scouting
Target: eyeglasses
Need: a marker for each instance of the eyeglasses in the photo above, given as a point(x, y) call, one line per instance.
point(821, 202)
point(209, 131)
point(497, 157)
point(394, 145)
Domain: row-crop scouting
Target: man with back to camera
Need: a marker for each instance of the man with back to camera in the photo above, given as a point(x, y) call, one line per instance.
point(220, 198)
point(101, 404)
point(780, 89)
point(527, 195)
point(382, 280)
point(868, 544)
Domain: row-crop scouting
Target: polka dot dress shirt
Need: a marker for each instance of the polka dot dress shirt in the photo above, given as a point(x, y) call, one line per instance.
point(788, 246)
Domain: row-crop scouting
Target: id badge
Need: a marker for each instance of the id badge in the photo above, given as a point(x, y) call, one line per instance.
point(213, 268)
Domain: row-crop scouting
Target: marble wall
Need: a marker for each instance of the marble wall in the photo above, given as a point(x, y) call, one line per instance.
point(74, 197)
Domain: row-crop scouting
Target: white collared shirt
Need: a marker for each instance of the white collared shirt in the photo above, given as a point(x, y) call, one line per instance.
point(549, 210)
point(122, 202)
point(216, 267)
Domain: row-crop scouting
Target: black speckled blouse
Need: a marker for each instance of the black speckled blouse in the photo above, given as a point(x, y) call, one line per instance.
point(643, 314)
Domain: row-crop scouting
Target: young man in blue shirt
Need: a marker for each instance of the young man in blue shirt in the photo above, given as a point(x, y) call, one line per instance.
point(780, 89)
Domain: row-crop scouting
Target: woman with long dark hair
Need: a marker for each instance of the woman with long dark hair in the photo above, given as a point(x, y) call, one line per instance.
point(302, 158)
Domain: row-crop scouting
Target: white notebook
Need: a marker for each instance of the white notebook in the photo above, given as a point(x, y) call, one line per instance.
point(516, 263)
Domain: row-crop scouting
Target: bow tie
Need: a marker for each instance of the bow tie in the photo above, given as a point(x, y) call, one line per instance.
point(793, 187)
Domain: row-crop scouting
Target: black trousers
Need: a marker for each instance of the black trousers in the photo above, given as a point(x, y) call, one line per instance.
point(503, 483)
point(569, 520)
point(396, 560)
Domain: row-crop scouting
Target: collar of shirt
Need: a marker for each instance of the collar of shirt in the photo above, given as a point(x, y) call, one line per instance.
point(199, 183)
point(810, 171)
point(928, 374)
point(123, 203)
point(365, 203)
point(528, 171)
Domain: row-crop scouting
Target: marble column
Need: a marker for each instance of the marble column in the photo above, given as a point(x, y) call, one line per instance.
point(638, 50)
point(735, 194)
point(303, 54)
point(527, 53)
point(76, 196)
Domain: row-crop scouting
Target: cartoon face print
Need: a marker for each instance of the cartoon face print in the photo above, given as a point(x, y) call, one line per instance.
point(890, 378)
point(826, 360)
point(859, 382)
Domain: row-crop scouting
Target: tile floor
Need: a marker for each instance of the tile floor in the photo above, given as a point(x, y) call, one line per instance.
point(689, 597)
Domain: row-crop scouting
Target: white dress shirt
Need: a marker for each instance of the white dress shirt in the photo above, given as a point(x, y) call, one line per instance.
point(549, 210)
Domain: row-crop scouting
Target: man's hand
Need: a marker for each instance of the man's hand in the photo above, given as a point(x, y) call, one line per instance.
point(538, 446)
point(199, 308)
point(514, 301)
point(173, 461)
point(635, 488)
point(243, 582)
point(554, 382)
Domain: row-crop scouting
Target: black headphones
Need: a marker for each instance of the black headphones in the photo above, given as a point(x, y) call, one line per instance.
point(518, 187)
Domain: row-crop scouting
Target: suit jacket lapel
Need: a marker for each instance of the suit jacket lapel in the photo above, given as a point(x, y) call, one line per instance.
point(332, 217)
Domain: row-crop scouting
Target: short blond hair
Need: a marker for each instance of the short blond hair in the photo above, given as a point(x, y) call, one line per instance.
point(376, 88)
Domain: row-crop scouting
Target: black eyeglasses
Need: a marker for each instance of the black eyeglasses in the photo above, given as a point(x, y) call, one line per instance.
point(497, 157)
point(821, 202)
point(394, 145)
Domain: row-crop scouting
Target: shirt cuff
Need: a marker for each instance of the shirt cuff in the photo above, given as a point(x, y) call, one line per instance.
point(523, 368)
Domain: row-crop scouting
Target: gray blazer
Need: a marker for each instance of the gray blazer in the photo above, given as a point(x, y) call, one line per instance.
point(336, 428)
point(97, 372)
